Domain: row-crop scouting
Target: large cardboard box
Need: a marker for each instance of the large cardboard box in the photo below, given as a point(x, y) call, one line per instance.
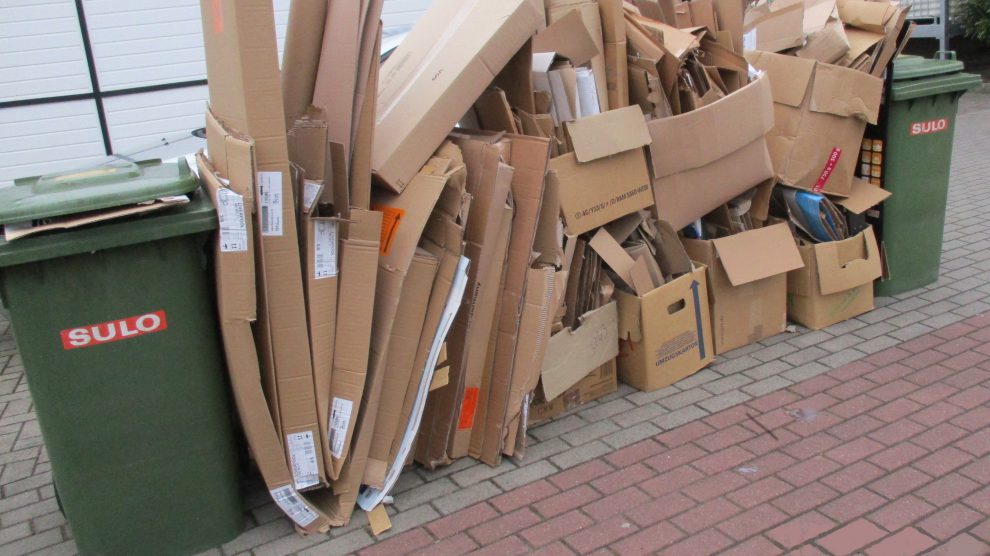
point(820, 113)
point(237, 306)
point(600, 382)
point(836, 282)
point(747, 284)
point(573, 353)
point(705, 157)
point(432, 79)
point(245, 97)
point(665, 335)
point(606, 177)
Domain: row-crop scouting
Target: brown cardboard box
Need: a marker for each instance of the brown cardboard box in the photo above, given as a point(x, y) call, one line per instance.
point(572, 354)
point(237, 304)
point(358, 274)
point(245, 95)
point(774, 26)
point(821, 112)
point(605, 177)
point(705, 157)
point(665, 335)
point(436, 74)
point(558, 9)
point(836, 282)
point(616, 64)
point(597, 383)
point(300, 57)
point(747, 285)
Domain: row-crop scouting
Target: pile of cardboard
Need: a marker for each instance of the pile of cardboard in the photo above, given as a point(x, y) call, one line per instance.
point(421, 258)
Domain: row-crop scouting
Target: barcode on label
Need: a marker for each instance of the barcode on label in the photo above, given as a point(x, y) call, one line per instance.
point(270, 201)
point(302, 456)
point(293, 505)
point(233, 226)
point(324, 248)
point(310, 191)
point(340, 419)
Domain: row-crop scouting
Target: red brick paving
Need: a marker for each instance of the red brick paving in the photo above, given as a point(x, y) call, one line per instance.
point(894, 462)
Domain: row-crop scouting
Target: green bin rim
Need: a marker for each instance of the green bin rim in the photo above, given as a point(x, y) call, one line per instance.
point(915, 67)
point(197, 216)
point(937, 85)
point(116, 184)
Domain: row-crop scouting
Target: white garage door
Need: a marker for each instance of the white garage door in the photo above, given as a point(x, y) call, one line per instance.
point(80, 79)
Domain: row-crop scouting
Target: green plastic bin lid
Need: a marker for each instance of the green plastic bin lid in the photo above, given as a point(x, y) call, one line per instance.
point(196, 216)
point(112, 185)
point(916, 77)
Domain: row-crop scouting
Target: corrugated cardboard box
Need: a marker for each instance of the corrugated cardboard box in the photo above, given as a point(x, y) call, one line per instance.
point(572, 354)
point(245, 95)
point(774, 26)
point(236, 301)
point(436, 74)
point(705, 157)
point(836, 282)
point(665, 335)
point(747, 285)
point(599, 382)
point(821, 112)
point(606, 176)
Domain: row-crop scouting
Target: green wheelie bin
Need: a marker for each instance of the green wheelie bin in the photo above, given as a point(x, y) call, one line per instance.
point(917, 153)
point(116, 330)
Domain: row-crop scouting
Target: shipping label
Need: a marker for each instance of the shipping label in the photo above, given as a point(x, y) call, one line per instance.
point(302, 456)
point(340, 420)
point(270, 202)
point(233, 223)
point(293, 505)
point(324, 249)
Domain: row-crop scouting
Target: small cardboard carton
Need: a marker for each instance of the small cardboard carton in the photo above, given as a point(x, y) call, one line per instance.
point(665, 335)
point(432, 79)
point(747, 285)
point(600, 382)
point(821, 111)
point(836, 282)
point(605, 178)
point(705, 157)
point(573, 353)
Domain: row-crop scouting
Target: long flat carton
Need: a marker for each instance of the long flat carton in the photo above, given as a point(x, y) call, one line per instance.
point(747, 283)
point(573, 353)
point(665, 335)
point(606, 177)
point(820, 113)
point(836, 282)
point(237, 306)
point(705, 157)
point(245, 95)
point(301, 56)
point(432, 79)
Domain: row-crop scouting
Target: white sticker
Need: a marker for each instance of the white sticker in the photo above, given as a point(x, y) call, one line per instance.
point(302, 453)
point(324, 249)
point(340, 418)
point(270, 202)
point(310, 190)
point(293, 505)
point(233, 226)
point(749, 40)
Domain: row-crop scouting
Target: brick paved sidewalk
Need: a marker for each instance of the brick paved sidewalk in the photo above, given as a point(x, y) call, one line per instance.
point(594, 436)
point(886, 455)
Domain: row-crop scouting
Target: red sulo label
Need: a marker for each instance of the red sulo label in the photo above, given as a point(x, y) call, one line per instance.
point(833, 159)
point(931, 126)
point(112, 331)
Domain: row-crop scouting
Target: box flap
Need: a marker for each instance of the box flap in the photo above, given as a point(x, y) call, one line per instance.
point(846, 92)
point(757, 254)
point(572, 354)
point(868, 16)
point(775, 26)
point(568, 37)
point(860, 41)
point(613, 255)
point(843, 265)
point(789, 75)
point(817, 14)
point(699, 137)
point(608, 133)
point(863, 196)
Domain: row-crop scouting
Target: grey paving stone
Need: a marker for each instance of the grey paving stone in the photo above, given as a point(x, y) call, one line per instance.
point(685, 398)
point(14, 532)
point(841, 358)
point(289, 544)
point(736, 365)
point(973, 309)
point(807, 354)
point(943, 320)
point(606, 410)
point(464, 497)
point(425, 493)
point(558, 427)
point(344, 544)
point(806, 371)
point(909, 303)
point(728, 383)
point(878, 314)
point(478, 473)
point(33, 543)
point(67, 548)
point(643, 398)
point(874, 330)
point(775, 351)
point(640, 414)
point(726, 400)
point(911, 331)
point(677, 418)
point(840, 343)
point(526, 474)
point(697, 379)
point(581, 454)
point(259, 535)
point(405, 520)
point(845, 326)
point(877, 344)
point(765, 370)
point(767, 385)
point(631, 435)
point(907, 318)
point(544, 449)
point(938, 308)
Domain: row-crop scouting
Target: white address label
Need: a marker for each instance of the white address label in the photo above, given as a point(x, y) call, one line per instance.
point(270, 202)
point(293, 505)
point(310, 190)
point(340, 419)
point(233, 223)
point(325, 249)
point(302, 456)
